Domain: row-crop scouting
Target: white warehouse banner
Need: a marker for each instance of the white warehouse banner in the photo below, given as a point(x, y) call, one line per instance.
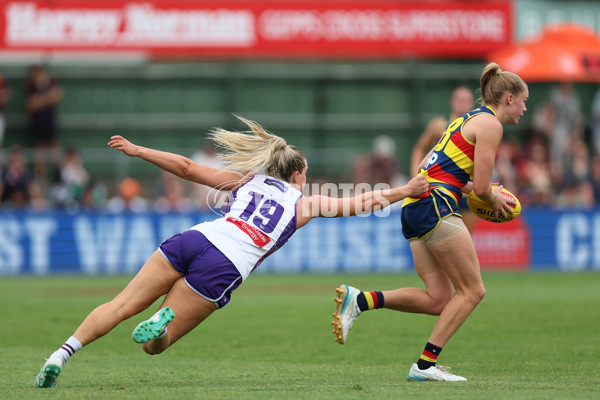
point(97, 243)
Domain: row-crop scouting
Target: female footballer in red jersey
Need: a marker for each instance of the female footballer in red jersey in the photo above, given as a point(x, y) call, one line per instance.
point(443, 251)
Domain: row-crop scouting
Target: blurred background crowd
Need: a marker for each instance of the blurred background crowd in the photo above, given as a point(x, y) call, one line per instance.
point(42, 172)
point(363, 108)
point(553, 161)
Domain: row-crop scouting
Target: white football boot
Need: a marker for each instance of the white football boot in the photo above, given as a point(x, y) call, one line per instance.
point(436, 373)
point(346, 312)
point(48, 376)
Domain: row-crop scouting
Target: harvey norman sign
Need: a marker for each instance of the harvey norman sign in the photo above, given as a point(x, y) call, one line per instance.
point(258, 28)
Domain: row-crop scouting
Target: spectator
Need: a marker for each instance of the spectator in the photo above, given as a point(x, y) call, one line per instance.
point(535, 174)
point(128, 198)
point(37, 200)
point(5, 95)
point(43, 96)
point(565, 108)
point(16, 180)
point(380, 166)
point(578, 169)
point(543, 119)
point(574, 195)
point(93, 196)
point(505, 171)
point(577, 191)
point(173, 197)
point(71, 180)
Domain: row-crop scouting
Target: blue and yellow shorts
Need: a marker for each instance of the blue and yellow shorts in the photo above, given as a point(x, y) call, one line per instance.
point(421, 217)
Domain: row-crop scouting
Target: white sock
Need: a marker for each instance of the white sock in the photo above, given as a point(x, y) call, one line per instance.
point(69, 348)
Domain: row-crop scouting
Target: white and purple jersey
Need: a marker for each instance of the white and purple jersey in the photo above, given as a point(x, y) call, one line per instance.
point(261, 217)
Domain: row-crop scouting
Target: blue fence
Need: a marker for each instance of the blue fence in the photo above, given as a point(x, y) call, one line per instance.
point(96, 243)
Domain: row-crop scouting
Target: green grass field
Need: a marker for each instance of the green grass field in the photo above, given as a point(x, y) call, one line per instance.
point(535, 336)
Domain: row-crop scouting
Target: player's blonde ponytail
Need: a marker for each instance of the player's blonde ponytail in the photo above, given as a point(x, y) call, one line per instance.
point(495, 83)
point(256, 150)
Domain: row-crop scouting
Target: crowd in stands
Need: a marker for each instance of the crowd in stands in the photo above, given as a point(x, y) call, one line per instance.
point(71, 187)
point(557, 163)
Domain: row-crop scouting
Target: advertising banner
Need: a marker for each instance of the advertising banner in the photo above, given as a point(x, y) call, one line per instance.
point(93, 243)
point(261, 28)
point(96, 243)
point(502, 246)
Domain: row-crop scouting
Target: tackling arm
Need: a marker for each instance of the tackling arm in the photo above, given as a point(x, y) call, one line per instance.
point(330, 207)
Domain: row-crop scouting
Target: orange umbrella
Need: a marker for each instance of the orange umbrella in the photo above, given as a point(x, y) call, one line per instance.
point(563, 52)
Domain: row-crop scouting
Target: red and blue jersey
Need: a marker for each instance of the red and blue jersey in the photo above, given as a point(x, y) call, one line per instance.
point(450, 165)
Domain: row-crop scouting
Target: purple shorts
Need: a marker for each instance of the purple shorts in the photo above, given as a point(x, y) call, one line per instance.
point(207, 271)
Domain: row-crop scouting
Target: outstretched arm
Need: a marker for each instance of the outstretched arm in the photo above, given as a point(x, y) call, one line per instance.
point(330, 207)
point(181, 166)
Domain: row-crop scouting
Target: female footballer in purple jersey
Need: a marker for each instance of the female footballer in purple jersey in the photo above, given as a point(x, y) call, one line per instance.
point(198, 269)
point(443, 251)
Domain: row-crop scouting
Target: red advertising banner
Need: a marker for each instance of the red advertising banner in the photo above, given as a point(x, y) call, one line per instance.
point(261, 28)
point(502, 246)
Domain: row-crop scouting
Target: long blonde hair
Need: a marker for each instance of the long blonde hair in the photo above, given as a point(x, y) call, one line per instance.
point(251, 151)
point(495, 83)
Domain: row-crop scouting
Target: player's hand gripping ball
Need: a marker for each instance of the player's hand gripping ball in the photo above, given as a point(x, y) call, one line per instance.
point(484, 211)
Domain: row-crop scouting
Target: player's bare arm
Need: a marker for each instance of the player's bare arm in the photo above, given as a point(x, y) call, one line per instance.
point(330, 207)
point(178, 165)
point(486, 132)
